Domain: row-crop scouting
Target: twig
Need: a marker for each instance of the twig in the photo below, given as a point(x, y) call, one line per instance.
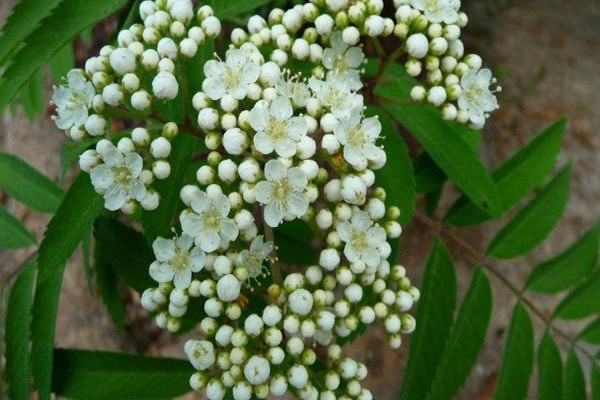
point(480, 259)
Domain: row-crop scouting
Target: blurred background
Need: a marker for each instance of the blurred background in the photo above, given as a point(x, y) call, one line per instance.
point(547, 56)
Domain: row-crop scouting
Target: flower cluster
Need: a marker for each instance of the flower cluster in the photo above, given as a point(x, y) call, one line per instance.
point(452, 80)
point(133, 80)
point(285, 145)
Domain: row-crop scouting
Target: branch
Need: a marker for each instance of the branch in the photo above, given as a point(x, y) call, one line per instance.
point(480, 259)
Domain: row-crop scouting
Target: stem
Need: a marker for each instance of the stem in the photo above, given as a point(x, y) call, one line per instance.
point(184, 93)
point(382, 67)
point(275, 271)
point(479, 258)
point(378, 47)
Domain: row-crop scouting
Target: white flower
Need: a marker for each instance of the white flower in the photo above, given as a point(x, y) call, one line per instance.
point(362, 239)
point(201, 353)
point(276, 127)
point(231, 77)
point(253, 258)
point(354, 190)
point(298, 376)
point(438, 11)
point(257, 370)
point(175, 262)
point(343, 62)
point(337, 95)
point(476, 97)
point(209, 224)
point(294, 90)
point(118, 178)
point(73, 100)
point(358, 138)
point(281, 193)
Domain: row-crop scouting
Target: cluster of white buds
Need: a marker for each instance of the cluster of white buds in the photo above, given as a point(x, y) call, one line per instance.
point(132, 80)
point(451, 80)
point(282, 147)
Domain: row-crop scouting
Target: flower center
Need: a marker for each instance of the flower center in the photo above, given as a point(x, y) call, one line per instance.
point(358, 240)
point(356, 137)
point(212, 220)
point(180, 262)
point(276, 129)
point(231, 77)
point(122, 175)
point(473, 94)
point(280, 190)
point(340, 64)
point(433, 6)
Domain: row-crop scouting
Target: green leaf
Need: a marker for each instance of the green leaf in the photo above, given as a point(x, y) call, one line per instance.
point(396, 177)
point(62, 62)
point(428, 176)
point(91, 375)
point(517, 361)
point(535, 221)
point(230, 8)
point(126, 250)
point(549, 381)
point(32, 96)
point(72, 221)
point(574, 380)
point(591, 333)
point(595, 382)
point(582, 301)
point(108, 282)
point(43, 323)
point(24, 18)
point(67, 20)
point(445, 146)
point(466, 339)
point(13, 234)
point(569, 267)
point(27, 185)
point(516, 177)
point(435, 314)
point(158, 222)
point(85, 250)
point(294, 250)
point(18, 314)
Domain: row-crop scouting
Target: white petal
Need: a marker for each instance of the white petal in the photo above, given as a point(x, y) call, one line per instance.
point(263, 191)
point(297, 204)
point(164, 249)
point(263, 143)
point(296, 127)
point(229, 230)
point(273, 213)
point(210, 241)
point(115, 197)
point(258, 118)
point(286, 148)
point(191, 224)
point(281, 108)
point(182, 279)
point(297, 179)
point(275, 170)
point(161, 272)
